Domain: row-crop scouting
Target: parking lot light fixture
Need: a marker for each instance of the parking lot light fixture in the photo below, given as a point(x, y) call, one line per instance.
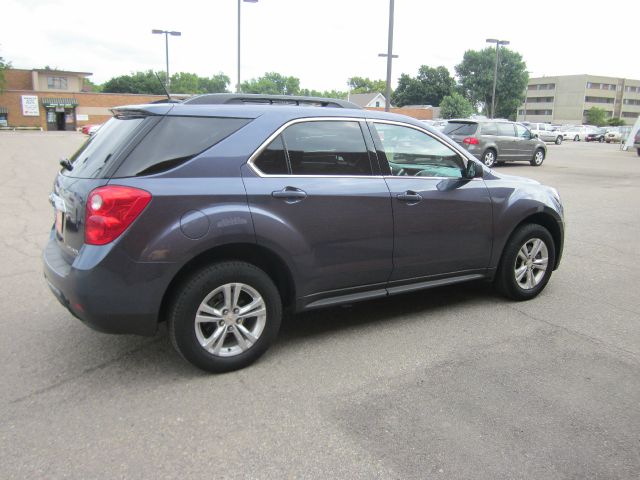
point(166, 45)
point(495, 72)
point(240, 3)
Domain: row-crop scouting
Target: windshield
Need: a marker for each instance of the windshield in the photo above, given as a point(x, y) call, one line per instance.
point(95, 154)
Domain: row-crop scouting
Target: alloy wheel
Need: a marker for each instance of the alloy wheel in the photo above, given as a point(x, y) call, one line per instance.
point(531, 263)
point(230, 319)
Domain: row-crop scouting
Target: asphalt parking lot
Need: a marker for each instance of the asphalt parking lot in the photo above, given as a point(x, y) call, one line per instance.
point(454, 382)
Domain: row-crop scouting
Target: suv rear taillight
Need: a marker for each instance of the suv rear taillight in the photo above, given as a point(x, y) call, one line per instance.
point(470, 141)
point(110, 210)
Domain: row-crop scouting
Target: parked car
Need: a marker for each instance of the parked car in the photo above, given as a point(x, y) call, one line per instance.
point(636, 143)
point(497, 141)
point(90, 129)
point(576, 132)
point(545, 132)
point(596, 135)
point(613, 135)
point(221, 213)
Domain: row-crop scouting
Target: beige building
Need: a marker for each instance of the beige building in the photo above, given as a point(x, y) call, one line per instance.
point(566, 99)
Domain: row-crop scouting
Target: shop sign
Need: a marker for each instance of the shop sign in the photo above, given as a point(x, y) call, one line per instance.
point(82, 117)
point(30, 107)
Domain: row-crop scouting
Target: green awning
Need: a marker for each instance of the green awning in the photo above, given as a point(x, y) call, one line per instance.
point(60, 102)
point(4, 110)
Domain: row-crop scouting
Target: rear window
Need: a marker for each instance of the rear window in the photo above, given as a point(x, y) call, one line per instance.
point(460, 128)
point(96, 154)
point(174, 141)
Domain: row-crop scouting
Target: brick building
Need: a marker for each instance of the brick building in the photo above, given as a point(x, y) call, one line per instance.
point(57, 100)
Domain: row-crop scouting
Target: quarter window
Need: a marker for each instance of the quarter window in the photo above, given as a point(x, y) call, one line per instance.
point(327, 148)
point(273, 160)
point(414, 153)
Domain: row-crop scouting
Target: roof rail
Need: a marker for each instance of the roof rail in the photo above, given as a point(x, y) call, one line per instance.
point(249, 98)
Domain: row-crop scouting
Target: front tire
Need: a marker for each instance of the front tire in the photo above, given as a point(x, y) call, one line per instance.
point(225, 316)
point(489, 158)
point(558, 140)
point(576, 138)
point(538, 158)
point(527, 262)
point(601, 140)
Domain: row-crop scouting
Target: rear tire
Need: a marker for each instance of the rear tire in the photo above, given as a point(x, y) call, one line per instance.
point(601, 140)
point(576, 138)
point(489, 157)
point(638, 152)
point(538, 158)
point(558, 140)
point(245, 312)
point(527, 261)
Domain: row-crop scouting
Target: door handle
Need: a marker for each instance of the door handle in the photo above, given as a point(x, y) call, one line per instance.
point(290, 193)
point(409, 196)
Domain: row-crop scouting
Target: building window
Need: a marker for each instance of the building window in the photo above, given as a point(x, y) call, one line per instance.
point(629, 101)
point(609, 113)
point(630, 114)
point(599, 99)
point(57, 83)
point(630, 89)
point(540, 100)
point(377, 104)
point(3, 120)
point(543, 86)
point(536, 112)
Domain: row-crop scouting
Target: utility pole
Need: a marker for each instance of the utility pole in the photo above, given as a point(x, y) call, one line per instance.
point(390, 57)
point(495, 72)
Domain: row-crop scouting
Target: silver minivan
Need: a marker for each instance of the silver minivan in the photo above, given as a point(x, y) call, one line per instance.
point(545, 132)
point(496, 141)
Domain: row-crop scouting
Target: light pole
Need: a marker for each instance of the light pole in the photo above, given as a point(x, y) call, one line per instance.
point(495, 72)
point(166, 46)
point(239, 2)
point(390, 57)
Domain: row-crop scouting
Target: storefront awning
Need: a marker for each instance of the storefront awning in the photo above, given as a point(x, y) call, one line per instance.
point(60, 102)
point(4, 110)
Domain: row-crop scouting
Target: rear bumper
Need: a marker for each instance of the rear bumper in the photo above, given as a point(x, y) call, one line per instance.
point(106, 290)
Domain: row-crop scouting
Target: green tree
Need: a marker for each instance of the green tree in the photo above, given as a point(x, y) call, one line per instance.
point(138, 82)
point(366, 85)
point(455, 106)
point(89, 86)
point(475, 76)
point(615, 122)
point(4, 65)
point(429, 87)
point(326, 94)
point(597, 116)
point(272, 83)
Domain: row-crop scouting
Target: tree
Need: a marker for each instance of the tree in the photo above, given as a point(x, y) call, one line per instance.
point(4, 65)
point(475, 75)
point(455, 106)
point(181, 82)
point(138, 82)
point(326, 94)
point(366, 85)
point(272, 83)
point(615, 122)
point(597, 116)
point(429, 87)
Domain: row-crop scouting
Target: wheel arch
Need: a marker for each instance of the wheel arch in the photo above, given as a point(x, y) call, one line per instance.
point(268, 261)
point(549, 222)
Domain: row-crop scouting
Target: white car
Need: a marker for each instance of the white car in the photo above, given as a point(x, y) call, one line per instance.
point(577, 132)
point(545, 132)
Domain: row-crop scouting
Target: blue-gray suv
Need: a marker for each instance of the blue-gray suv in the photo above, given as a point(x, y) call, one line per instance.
point(220, 213)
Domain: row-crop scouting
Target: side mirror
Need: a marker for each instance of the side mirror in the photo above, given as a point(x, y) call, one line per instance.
point(534, 135)
point(474, 170)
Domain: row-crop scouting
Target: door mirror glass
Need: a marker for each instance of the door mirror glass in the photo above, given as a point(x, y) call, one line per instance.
point(473, 170)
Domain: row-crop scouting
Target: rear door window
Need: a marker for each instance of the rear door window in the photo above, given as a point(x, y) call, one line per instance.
point(96, 155)
point(174, 141)
point(461, 128)
point(327, 148)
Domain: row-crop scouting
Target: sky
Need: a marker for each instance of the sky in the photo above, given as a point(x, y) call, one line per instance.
point(322, 42)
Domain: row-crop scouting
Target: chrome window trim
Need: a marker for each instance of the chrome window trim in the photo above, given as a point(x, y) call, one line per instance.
point(272, 137)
